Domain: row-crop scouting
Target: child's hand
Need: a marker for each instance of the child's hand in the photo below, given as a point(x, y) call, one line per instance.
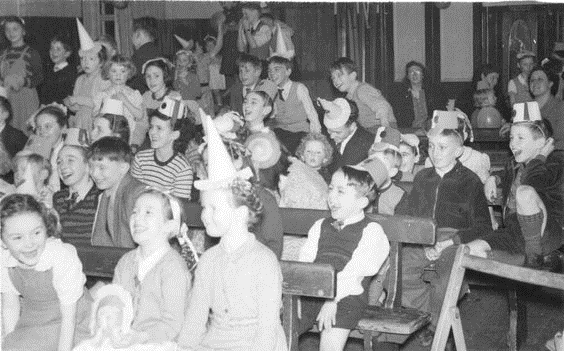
point(327, 317)
point(490, 189)
point(548, 147)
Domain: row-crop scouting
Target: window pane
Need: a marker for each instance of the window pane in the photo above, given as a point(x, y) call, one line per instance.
point(108, 8)
point(110, 28)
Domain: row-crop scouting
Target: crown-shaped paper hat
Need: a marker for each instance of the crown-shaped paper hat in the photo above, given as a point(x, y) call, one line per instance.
point(386, 138)
point(183, 42)
point(87, 46)
point(112, 107)
point(221, 170)
point(172, 108)
point(376, 168)
point(525, 53)
point(3, 92)
point(76, 137)
point(112, 295)
point(268, 87)
point(337, 112)
point(411, 140)
point(526, 112)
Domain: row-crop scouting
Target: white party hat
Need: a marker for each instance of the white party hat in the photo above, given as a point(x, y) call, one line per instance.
point(526, 112)
point(281, 48)
point(112, 106)
point(3, 92)
point(87, 45)
point(112, 294)
point(183, 42)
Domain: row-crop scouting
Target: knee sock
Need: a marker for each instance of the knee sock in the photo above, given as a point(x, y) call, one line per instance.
point(531, 226)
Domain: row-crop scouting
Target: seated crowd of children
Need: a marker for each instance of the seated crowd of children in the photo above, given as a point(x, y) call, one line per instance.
point(106, 165)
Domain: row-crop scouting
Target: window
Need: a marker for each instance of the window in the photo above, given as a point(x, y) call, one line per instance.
point(108, 19)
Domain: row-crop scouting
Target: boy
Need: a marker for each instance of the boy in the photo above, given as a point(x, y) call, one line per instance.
point(250, 69)
point(109, 159)
point(59, 81)
point(254, 36)
point(143, 39)
point(452, 195)
point(293, 105)
point(518, 87)
point(351, 140)
point(374, 110)
point(355, 246)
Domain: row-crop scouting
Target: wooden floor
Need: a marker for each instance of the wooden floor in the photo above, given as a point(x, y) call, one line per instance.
point(485, 321)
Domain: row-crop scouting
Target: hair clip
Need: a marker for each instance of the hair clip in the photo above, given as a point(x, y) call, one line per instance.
point(162, 59)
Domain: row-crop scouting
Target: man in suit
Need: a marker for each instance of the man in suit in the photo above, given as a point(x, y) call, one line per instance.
point(250, 69)
point(352, 142)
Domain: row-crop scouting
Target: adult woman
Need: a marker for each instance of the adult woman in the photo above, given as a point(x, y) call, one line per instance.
point(416, 98)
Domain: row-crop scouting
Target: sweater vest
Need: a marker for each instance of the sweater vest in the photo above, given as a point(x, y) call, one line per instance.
point(291, 114)
point(523, 94)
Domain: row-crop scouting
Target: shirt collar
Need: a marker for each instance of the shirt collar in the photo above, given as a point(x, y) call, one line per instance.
point(83, 191)
point(145, 265)
point(252, 87)
point(286, 86)
point(353, 219)
point(60, 66)
point(347, 139)
point(48, 257)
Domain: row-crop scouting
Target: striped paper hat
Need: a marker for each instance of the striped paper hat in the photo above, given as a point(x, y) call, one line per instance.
point(526, 112)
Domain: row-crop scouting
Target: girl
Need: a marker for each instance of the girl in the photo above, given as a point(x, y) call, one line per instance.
point(409, 150)
point(87, 86)
point(485, 115)
point(239, 280)
point(31, 176)
point(21, 71)
point(185, 78)
point(164, 164)
point(61, 76)
point(119, 70)
point(305, 187)
point(44, 303)
point(154, 273)
point(49, 123)
point(109, 124)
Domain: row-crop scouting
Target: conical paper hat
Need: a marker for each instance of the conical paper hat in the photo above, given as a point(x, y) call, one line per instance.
point(87, 45)
point(281, 48)
point(183, 42)
point(337, 112)
point(3, 92)
point(526, 112)
point(112, 107)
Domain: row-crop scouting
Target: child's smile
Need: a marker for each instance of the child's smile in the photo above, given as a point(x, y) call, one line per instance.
point(154, 78)
point(25, 236)
point(14, 32)
point(58, 53)
point(253, 107)
point(344, 200)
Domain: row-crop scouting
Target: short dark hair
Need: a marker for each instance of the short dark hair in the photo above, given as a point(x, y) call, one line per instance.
point(64, 42)
point(246, 58)
point(280, 61)
point(118, 125)
point(58, 113)
point(365, 184)
point(113, 148)
point(168, 77)
point(185, 128)
point(146, 24)
point(344, 63)
point(551, 75)
point(416, 64)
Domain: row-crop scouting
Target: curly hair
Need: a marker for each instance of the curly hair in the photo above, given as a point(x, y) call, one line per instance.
point(121, 61)
point(327, 148)
point(14, 204)
point(245, 194)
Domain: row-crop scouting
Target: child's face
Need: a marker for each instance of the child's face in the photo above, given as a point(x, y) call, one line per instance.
point(314, 154)
point(107, 173)
point(154, 76)
point(100, 128)
point(278, 73)
point(161, 134)
point(58, 53)
point(443, 151)
point(254, 108)
point(14, 32)
point(46, 126)
point(90, 63)
point(217, 212)
point(540, 84)
point(148, 223)
point(118, 74)
point(72, 166)
point(342, 79)
point(523, 144)
point(182, 60)
point(344, 200)
point(25, 236)
point(249, 74)
point(407, 158)
point(210, 45)
point(526, 65)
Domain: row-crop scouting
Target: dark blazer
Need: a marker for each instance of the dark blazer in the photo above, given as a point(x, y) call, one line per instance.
point(14, 139)
point(57, 85)
point(146, 52)
point(402, 103)
point(236, 96)
point(355, 151)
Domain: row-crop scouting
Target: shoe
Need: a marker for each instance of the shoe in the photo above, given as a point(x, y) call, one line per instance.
point(425, 337)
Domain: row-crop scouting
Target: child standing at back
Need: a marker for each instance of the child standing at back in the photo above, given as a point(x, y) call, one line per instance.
point(186, 80)
point(355, 246)
point(44, 303)
point(518, 87)
point(485, 115)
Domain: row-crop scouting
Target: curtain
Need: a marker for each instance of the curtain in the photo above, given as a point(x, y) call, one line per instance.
point(124, 21)
point(91, 18)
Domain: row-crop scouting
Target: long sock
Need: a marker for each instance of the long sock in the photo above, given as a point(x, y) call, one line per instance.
point(531, 226)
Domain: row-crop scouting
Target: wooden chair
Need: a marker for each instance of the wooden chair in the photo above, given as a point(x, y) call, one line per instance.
point(449, 318)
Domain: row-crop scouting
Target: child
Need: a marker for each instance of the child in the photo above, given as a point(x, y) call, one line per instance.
point(355, 246)
point(59, 80)
point(518, 87)
point(410, 156)
point(374, 110)
point(154, 274)
point(250, 70)
point(110, 122)
point(214, 46)
point(293, 105)
point(44, 304)
point(254, 36)
point(49, 124)
point(143, 39)
point(76, 203)
point(185, 78)
point(164, 164)
point(31, 176)
point(204, 60)
point(21, 71)
point(486, 115)
point(239, 280)
point(88, 85)
point(119, 70)
point(159, 77)
point(452, 195)
point(281, 43)
point(305, 187)
point(386, 149)
point(12, 139)
point(109, 159)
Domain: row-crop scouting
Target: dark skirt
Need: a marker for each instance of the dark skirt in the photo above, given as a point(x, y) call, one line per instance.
point(349, 311)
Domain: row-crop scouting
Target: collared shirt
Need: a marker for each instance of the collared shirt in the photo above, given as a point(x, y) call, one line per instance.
point(68, 278)
point(248, 90)
point(347, 139)
point(83, 191)
point(144, 265)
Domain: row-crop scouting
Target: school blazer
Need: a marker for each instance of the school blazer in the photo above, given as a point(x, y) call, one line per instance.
point(236, 96)
point(355, 151)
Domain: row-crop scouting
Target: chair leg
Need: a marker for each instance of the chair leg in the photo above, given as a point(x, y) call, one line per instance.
point(367, 341)
point(457, 331)
point(513, 318)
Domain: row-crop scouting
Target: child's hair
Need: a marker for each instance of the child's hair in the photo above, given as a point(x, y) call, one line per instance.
point(526, 55)
point(192, 65)
point(210, 39)
point(147, 25)
point(245, 194)
point(268, 15)
point(185, 127)
point(246, 58)
point(168, 77)
point(345, 64)
point(361, 180)
point(122, 61)
point(279, 60)
point(394, 156)
point(82, 150)
point(416, 64)
point(13, 19)
point(6, 106)
point(57, 112)
point(113, 148)
point(539, 129)
point(108, 42)
point(268, 101)
point(413, 149)
point(482, 97)
point(552, 77)
point(169, 205)
point(37, 160)
point(64, 42)
point(118, 125)
point(14, 204)
point(327, 148)
point(353, 117)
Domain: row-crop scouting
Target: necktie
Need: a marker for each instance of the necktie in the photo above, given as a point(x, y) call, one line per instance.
point(337, 225)
point(281, 94)
point(73, 198)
